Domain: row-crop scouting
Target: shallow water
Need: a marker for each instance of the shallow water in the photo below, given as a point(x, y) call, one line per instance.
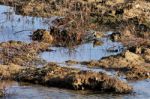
point(17, 27)
point(84, 52)
point(15, 90)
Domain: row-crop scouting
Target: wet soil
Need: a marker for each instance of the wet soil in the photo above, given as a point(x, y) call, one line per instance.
point(15, 90)
point(22, 70)
point(48, 8)
point(53, 75)
point(121, 12)
point(20, 53)
point(131, 30)
point(130, 64)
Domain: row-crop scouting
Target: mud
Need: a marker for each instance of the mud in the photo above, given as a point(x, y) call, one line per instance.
point(128, 19)
point(53, 75)
point(61, 8)
point(130, 38)
point(129, 64)
point(80, 16)
point(63, 34)
point(97, 12)
point(56, 76)
point(20, 53)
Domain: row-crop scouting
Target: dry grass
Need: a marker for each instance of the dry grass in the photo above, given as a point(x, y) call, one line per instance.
point(53, 75)
point(79, 16)
point(20, 53)
point(8, 71)
point(128, 64)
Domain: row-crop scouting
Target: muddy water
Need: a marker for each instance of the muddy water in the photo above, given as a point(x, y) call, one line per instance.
point(16, 27)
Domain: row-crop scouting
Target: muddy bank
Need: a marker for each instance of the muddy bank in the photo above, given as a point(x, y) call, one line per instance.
point(61, 8)
point(87, 14)
point(61, 37)
point(133, 64)
point(128, 63)
point(62, 34)
point(23, 69)
point(129, 18)
point(20, 53)
point(135, 35)
point(135, 38)
point(56, 76)
point(81, 16)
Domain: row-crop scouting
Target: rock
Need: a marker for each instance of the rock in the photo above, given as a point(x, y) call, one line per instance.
point(42, 35)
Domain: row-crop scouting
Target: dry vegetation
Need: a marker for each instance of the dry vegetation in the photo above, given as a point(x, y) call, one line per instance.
point(21, 53)
point(53, 75)
point(129, 64)
point(131, 18)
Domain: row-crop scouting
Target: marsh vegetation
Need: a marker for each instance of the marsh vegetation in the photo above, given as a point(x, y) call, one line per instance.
point(94, 45)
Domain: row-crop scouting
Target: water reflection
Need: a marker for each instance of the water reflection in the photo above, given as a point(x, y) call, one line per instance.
point(15, 90)
point(17, 27)
point(84, 52)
